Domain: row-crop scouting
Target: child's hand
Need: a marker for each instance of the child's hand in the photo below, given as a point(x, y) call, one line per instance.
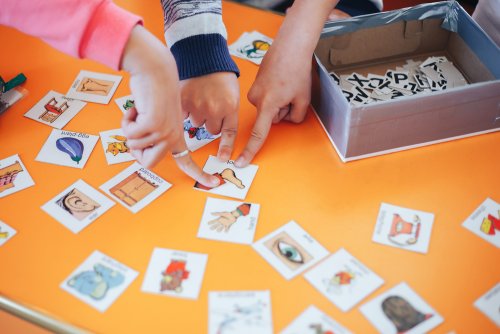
point(213, 100)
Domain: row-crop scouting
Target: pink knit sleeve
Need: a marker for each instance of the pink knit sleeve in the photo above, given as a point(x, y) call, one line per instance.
point(94, 29)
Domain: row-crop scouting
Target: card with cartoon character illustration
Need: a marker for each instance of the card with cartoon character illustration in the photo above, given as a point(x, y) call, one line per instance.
point(114, 144)
point(251, 46)
point(197, 136)
point(124, 103)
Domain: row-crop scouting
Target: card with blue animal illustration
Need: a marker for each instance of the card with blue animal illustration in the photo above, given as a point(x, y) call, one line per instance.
point(242, 312)
point(6, 232)
point(489, 304)
point(94, 87)
point(99, 281)
point(401, 310)
point(234, 182)
point(14, 176)
point(175, 273)
point(135, 187)
point(197, 137)
point(290, 250)
point(485, 222)
point(67, 148)
point(230, 221)
point(313, 320)
point(55, 110)
point(343, 280)
point(78, 206)
point(125, 103)
point(114, 144)
point(251, 46)
point(403, 228)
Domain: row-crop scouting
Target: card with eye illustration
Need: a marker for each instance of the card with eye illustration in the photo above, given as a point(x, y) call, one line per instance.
point(6, 232)
point(94, 87)
point(78, 206)
point(13, 176)
point(115, 146)
point(312, 320)
point(125, 103)
point(290, 250)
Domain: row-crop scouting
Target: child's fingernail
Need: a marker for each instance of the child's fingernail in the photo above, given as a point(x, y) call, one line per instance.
point(214, 181)
point(240, 162)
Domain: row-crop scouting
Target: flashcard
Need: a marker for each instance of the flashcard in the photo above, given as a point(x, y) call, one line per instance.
point(312, 320)
point(290, 250)
point(66, 148)
point(489, 304)
point(234, 181)
point(13, 176)
point(485, 222)
point(78, 206)
point(175, 273)
point(197, 137)
point(115, 146)
point(6, 232)
point(343, 280)
point(135, 187)
point(125, 103)
point(94, 87)
point(403, 228)
point(242, 312)
point(229, 221)
point(251, 46)
point(400, 310)
point(99, 281)
point(55, 110)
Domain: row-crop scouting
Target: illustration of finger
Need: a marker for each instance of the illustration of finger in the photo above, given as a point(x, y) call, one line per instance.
point(229, 175)
point(71, 146)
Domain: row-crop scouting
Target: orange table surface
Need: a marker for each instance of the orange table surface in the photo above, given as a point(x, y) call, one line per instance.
point(300, 178)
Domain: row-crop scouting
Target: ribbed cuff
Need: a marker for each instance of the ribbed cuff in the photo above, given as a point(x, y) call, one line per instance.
point(203, 54)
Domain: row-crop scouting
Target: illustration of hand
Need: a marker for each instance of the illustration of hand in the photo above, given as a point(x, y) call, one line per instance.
point(224, 222)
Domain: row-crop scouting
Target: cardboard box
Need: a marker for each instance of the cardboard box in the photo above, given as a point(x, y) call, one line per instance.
point(374, 43)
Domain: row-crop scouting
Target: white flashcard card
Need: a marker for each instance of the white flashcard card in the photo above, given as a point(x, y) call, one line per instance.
point(78, 206)
point(6, 233)
point(114, 144)
point(251, 46)
point(403, 228)
point(135, 187)
point(66, 148)
point(290, 250)
point(313, 320)
point(400, 310)
point(99, 281)
point(94, 87)
point(13, 176)
point(197, 137)
point(234, 182)
point(175, 273)
point(229, 221)
point(343, 280)
point(242, 312)
point(485, 222)
point(125, 103)
point(55, 110)
point(489, 304)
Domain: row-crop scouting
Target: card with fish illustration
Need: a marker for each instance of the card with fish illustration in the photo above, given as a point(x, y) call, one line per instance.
point(13, 176)
point(125, 102)
point(175, 273)
point(290, 250)
point(94, 87)
point(230, 221)
point(78, 206)
point(403, 228)
point(6, 232)
point(400, 310)
point(55, 110)
point(197, 137)
point(251, 46)
point(115, 146)
point(485, 222)
point(99, 281)
point(67, 148)
point(242, 312)
point(489, 304)
point(313, 320)
point(135, 187)
point(234, 182)
point(343, 280)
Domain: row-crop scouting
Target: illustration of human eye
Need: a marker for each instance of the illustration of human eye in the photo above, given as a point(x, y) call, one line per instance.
point(290, 252)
